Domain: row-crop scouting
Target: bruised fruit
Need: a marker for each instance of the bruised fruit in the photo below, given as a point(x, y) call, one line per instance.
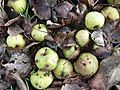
point(94, 20)
point(41, 79)
point(15, 41)
point(82, 37)
point(46, 58)
point(19, 6)
point(86, 65)
point(110, 12)
point(72, 52)
point(63, 69)
point(39, 31)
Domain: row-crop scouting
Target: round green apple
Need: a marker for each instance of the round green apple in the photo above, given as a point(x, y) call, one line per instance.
point(63, 69)
point(86, 65)
point(39, 32)
point(41, 79)
point(94, 20)
point(46, 58)
point(82, 37)
point(68, 53)
point(16, 40)
point(19, 6)
point(111, 13)
point(113, 1)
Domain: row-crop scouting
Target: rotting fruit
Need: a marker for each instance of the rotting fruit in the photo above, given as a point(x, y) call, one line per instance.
point(63, 69)
point(46, 58)
point(41, 79)
point(19, 6)
point(82, 37)
point(39, 31)
point(86, 65)
point(110, 12)
point(16, 40)
point(94, 20)
point(71, 52)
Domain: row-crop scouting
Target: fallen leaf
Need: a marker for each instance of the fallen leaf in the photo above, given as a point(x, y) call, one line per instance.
point(18, 80)
point(12, 21)
point(19, 62)
point(14, 30)
point(64, 37)
point(107, 75)
point(71, 87)
point(4, 85)
point(3, 15)
point(97, 37)
point(76, 80)
point(42, 8)
point(63, 9)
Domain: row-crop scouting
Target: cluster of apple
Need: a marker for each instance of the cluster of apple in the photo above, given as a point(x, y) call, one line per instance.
point(47, 60)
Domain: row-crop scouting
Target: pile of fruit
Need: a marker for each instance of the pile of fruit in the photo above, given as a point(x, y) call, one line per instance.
point(70, 41)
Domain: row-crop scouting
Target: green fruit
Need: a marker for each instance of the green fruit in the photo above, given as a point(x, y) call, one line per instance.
point(46, 59)
point(14, 41)
point(82, 37)
point(19, 6)
point(113, 1)
point(110, 12)
point(68, 53)
point(94, 20)
point(41, 79)
point(39, 32)
point(86, 65)
point(63, 69)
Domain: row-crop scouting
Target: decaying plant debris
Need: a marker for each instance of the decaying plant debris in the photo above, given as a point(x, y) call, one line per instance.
point(63, 19)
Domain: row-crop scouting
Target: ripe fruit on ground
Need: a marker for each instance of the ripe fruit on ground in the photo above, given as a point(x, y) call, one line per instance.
point(63, 69)
point(18, 6)
point(110, 12)
point(82, 37)
point(39, 32)
point(94, 20)
point(41, 79)
point(86, 65)
point(46, 58)
point(16, 40)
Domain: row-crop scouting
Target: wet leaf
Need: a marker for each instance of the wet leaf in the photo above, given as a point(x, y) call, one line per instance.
point(20, 63)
